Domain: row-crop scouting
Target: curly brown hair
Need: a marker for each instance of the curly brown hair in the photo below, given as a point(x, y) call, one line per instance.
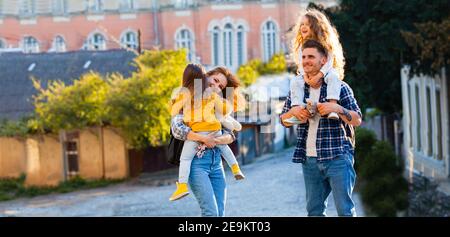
point(322, 31)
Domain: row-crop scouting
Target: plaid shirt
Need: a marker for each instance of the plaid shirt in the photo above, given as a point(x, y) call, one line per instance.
point(334, 137)
point(180, 130)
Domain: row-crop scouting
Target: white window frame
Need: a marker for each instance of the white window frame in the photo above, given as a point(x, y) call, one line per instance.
point(30, 46)
point(27, 7)
point(92, 45)
point(216, 46)
point(128, 43)
point(127, 5)
point(94, 5)
point(59, 44)
point(228, 40)
point(60, 7)
point(241, 56)
point(271, 36)
point(180, 4)
point(189, 43)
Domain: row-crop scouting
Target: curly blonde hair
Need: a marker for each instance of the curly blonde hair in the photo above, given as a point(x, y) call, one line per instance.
point(322, 31)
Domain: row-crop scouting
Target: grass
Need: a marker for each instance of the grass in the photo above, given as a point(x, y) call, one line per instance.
point(15, 188)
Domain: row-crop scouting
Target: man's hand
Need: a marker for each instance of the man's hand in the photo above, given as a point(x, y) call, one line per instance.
point(327, 107)
point(301, 113)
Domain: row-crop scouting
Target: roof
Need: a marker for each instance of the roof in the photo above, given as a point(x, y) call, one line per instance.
point(16, 70)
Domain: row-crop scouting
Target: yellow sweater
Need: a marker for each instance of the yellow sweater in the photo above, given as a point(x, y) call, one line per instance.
point(201, 118)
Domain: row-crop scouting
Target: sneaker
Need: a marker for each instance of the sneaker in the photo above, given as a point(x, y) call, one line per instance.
point(238, 175)
point(293, 120)
point(182, 191)
point(333, 115)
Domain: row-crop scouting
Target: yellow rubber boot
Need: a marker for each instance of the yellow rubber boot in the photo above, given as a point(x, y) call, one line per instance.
point(182, 191)
point(238, 175)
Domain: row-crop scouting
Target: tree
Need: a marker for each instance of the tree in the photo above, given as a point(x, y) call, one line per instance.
point(61, 107)
point(374, 49)
point(430, 44)
point(139, 106)
point(248, 73)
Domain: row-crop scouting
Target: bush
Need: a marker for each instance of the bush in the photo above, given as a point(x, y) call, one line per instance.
point(276, 65)
point(365, 139)
point(61, 107)
point(384, 189)
point(249, 72)
point(19, 128)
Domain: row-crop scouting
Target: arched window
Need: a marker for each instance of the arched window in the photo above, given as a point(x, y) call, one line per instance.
point(228, 45)
point(58, 45)
point(269, 40)
point(241, 45)
point(215, 45)
point(30, 45)
point(184, 39)
point(96, 42)
point(129, 40)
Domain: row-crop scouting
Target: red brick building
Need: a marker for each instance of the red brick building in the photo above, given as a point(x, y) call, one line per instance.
point(215, 32)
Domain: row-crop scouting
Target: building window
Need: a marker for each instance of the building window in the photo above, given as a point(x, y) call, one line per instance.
point(27, 7)
point(58, 45)
point(59, 7)
point(183, 39)
point(429, 124)
point(70, 147)
point(96, 42)
point(30, 45)
point(269, 40)
point(215, 45)
point(410, 128)
point(439, 125)
point(418, 120)
point(241, 45)
point(228, 45)
point(126, 5)
point(94, 5)
point(129, 40)
point(182, 3)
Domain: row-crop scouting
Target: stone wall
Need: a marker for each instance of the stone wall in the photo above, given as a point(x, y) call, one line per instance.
point(426, 199)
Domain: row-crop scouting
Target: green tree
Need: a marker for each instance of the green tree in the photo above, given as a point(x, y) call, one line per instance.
point(61, 107)
point(139, 106)
point(248, 73)
point(374, 48)
point(430, 45)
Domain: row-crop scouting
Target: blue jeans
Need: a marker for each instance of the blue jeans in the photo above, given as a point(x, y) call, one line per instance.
point(336, 175)
point(207, 182)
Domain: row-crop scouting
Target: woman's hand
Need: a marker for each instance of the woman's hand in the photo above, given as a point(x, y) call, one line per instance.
point(209, 140)
point(224, 139)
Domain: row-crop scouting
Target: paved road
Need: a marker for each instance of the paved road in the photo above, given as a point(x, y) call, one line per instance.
point(273, 187)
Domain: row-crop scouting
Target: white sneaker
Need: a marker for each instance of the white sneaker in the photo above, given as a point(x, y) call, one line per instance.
point(293, 120)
